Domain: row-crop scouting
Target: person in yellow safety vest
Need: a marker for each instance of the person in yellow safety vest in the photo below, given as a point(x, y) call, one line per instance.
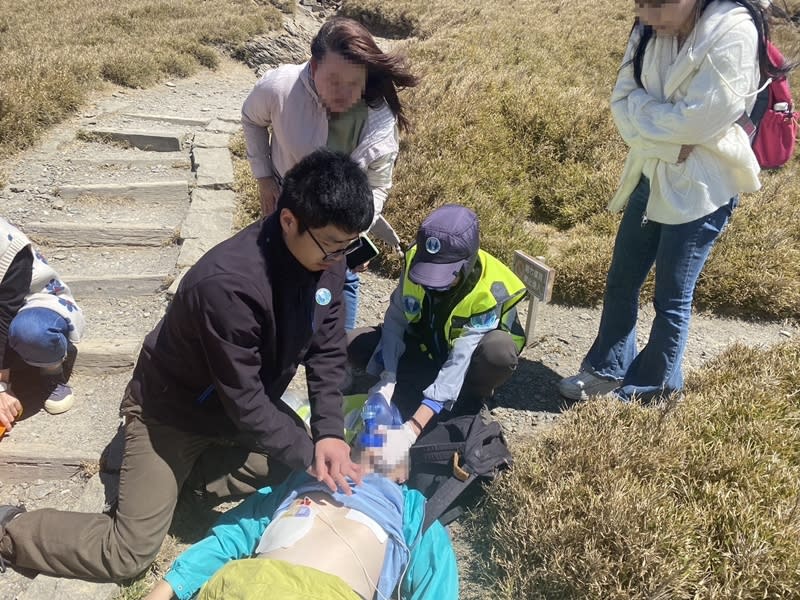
point(451, 333)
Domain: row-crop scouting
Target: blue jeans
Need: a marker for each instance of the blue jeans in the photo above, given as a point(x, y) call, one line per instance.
point(351, 285)
point(39, 336)
point(679, 253)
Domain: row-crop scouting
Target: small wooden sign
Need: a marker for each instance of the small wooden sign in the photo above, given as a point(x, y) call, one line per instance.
point(538, 279)
point(536, 276)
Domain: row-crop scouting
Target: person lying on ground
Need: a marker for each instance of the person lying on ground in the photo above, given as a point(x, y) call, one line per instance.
point(210, 376)
point(451, 334)
point(299, 540)
point(39, 323)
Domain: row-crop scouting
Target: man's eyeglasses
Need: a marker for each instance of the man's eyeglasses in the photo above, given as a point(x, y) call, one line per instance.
point(331, 256)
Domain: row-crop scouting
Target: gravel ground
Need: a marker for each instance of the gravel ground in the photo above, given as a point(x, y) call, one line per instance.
point(528, 402)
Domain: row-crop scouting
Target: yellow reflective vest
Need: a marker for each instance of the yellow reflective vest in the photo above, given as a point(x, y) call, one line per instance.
point(488, 303)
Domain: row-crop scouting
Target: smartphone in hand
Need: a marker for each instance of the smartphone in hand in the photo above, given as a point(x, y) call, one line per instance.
point(365, 253)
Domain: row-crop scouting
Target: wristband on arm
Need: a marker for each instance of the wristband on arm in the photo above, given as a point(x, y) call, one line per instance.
point(436, 407)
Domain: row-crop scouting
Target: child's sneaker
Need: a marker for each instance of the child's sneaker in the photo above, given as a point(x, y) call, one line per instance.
point(60, 399)
point(585, 384)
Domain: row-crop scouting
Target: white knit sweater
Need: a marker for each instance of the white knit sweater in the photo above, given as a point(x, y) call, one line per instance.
point(691, 96)
point(46, 290)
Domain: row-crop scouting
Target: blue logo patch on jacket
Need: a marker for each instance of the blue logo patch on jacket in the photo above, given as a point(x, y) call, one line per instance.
point(411, 305)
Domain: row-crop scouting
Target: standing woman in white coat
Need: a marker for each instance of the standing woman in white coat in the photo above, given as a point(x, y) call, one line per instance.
point(691, 68)
point(346, 99)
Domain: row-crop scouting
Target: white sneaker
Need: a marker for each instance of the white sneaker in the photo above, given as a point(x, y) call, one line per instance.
point(585, 384)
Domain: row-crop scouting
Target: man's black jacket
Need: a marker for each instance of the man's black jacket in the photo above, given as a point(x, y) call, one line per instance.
point(244, 317)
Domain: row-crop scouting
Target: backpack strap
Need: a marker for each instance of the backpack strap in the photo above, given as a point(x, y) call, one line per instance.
point(445, 495)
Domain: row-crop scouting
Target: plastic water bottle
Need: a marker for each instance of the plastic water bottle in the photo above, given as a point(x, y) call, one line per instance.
point(377, 412)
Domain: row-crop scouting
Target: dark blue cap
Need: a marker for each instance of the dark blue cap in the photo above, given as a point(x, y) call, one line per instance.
point(447, 241)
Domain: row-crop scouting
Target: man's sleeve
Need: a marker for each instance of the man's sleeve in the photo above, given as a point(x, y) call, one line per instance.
point(235, 535)
point(256, 117)
point(325, 368)
point(448, 383)
point(392, 345)
point(231, 335)
point(14, 287)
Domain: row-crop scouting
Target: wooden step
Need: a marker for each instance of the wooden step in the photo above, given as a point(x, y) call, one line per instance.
point(100, 234)
point(29, 461)
point(153, 141)
point(103, 356)
point(160, 191)
point(118, 285)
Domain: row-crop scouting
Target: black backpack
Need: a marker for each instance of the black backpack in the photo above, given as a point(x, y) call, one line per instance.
point(451, 462)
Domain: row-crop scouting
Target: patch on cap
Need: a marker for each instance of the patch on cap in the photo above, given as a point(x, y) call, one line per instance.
point(433, 245)
point(323, 296)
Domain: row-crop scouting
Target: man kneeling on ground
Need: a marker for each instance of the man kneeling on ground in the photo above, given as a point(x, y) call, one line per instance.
point(451, 334)
point(211, 374)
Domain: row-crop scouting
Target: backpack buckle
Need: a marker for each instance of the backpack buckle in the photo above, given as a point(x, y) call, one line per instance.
point(458, 472)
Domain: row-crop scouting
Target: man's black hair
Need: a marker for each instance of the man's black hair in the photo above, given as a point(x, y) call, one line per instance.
point(328, 188)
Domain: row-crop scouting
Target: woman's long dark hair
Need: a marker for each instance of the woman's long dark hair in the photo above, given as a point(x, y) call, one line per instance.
point(762, 27)
point(387, 73)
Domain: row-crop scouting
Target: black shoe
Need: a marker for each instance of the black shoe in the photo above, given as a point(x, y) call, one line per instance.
point(7, 513)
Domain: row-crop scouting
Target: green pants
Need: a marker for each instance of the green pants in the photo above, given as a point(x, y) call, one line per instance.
point(157, 461)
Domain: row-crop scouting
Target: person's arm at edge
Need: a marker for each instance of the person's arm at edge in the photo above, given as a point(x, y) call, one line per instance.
point(256, 117)
point(13, 289)
point(444, 390)
point(379, 176)
point(391, 345)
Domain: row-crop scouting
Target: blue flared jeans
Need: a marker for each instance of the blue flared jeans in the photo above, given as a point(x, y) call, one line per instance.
point(679, 253)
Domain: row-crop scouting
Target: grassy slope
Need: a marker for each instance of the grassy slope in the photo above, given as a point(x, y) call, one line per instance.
point(56, 51)
point(512, 119)
point(699, 501)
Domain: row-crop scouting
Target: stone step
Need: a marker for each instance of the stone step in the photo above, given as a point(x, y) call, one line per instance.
point(214, 168)
point(109, 317)
point(176, 190)
point(194, 121)
point(67, 234)
point(75, 262)
point(118, 212)
point(28, 461)
point(118, 285)
point(106, 356)
point(153, 140)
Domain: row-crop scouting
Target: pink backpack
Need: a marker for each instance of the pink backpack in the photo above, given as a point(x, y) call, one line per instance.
point(776, 125)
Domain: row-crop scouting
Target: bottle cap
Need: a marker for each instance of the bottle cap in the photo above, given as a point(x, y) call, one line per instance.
point(370, 440)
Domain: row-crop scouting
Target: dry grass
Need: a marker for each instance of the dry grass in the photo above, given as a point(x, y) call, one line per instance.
point(512, 119)
point(696, 501)
point(56, 51)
